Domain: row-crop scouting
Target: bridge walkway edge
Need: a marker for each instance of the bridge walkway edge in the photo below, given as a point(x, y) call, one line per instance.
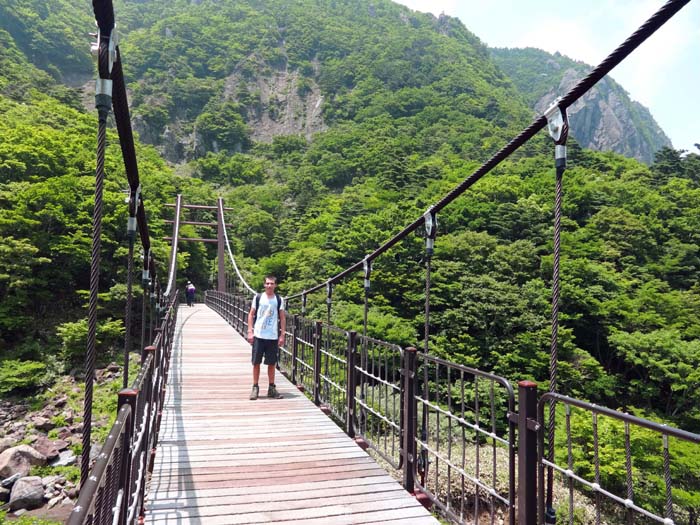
point(223, 459)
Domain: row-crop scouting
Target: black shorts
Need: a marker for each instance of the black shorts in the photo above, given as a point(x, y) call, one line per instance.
point(267, 348)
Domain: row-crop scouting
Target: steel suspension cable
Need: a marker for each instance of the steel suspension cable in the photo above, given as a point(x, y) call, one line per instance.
point(618, 55)
point(430, 221)
point(134, 201)
point(553, 354)
point(127, 312)
point(103, 103)
point(230, 253)
point(172, 271)
point(144, 305)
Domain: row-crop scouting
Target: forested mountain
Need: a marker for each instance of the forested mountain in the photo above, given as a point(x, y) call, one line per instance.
point(328, 126)
point(605, 119)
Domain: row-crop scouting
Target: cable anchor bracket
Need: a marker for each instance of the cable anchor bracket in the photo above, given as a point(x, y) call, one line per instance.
point(134, 202)
point(430, 221)
point(103, 85)
point(558, 128)
point(367, 266)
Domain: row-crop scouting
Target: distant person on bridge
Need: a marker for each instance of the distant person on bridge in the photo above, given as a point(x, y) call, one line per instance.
point(189, 293)
point(266, 327)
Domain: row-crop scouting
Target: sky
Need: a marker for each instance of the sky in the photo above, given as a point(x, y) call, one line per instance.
point(663, 73)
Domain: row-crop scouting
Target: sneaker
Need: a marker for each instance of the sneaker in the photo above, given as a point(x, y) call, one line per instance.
point(273, 393)
point(254, 392)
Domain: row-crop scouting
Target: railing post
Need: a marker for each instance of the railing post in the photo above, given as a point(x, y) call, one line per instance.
point(295, 347)
point(126, 396)
point(350, 394)
point(242, 320)
point(408, 430)
point(153, 396)
point(318, 332)
point(527, 453)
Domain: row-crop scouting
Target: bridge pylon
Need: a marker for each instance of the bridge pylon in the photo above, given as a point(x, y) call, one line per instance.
point(220, 239)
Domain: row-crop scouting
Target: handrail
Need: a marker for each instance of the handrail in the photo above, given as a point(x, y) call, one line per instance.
point(115, 487)
point(569, 473)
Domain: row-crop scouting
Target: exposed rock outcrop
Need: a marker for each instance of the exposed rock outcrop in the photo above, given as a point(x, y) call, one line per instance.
point(27, 493)
point(606, 119)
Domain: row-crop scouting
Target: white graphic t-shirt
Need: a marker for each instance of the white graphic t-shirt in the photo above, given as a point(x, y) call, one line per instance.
point(266, 321)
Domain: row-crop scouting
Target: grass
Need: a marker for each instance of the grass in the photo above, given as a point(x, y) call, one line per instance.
point(25, 520)
point(104, 413)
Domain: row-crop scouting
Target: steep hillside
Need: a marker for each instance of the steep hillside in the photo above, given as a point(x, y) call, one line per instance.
point(605, 119)
point(218, 77)
point(328, 126)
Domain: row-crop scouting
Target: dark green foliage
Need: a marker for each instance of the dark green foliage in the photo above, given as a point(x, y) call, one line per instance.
point(20, 375)
point(411, 106)
point(222, 128)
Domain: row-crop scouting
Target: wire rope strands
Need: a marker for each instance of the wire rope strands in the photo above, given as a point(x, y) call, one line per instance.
point(134, 197)
point(430, 222)
point(106, 44)
point(618, 55)
point(558, 127)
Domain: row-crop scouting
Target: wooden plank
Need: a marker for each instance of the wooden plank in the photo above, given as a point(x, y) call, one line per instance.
point(224, 459)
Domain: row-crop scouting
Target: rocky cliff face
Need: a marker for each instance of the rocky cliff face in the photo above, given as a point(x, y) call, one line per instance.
point(276, 102)
point(285, 103)
point(604, 119)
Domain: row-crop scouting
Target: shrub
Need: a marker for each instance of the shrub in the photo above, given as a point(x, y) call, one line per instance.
point(17, 375)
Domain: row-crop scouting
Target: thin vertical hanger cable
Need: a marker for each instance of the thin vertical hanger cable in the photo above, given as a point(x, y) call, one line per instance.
point(558, 127)
point(103, 102)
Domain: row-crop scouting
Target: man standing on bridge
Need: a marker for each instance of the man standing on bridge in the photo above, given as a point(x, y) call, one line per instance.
point(266, 328)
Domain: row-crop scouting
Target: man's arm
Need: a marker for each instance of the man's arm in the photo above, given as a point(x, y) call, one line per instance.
point(283, 326)
point(251, 315)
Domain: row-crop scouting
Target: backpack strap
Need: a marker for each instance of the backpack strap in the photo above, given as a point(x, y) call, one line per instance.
point(279, 313)
point(257, 307)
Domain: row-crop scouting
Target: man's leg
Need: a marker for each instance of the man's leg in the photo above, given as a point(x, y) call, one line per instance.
point(271, 360)
point(256, 371)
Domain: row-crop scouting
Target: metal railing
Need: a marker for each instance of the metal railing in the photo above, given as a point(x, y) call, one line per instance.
point(375, 389)
point(452, 432)
point(465, 447)
point(600, 436)
point(115, 490)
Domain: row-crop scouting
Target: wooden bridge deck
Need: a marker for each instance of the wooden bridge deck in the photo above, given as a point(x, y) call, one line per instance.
point(223, 459)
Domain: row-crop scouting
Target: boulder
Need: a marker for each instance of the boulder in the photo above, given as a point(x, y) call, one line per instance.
point(4, 494)
point(18, 460)
point(65, 457)
point(5, 443)
point(55, 501)
point(45, 446)
point(27, 493)
point(42, 423)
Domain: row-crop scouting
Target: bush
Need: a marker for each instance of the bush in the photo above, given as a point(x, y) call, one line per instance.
point(17, 375)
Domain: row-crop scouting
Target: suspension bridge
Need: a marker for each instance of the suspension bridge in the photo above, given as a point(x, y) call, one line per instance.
point(188, 446)
point(222, 458)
